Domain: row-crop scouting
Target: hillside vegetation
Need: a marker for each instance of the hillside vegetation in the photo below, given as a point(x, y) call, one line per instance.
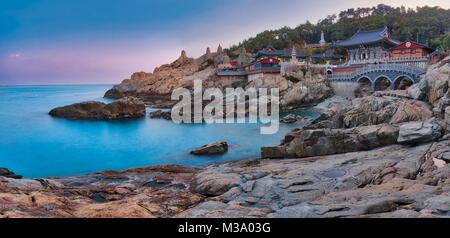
point(427, 25)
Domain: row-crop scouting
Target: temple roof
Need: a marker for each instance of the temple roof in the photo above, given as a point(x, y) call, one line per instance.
point(272, 52)
point(327, 54)
point(368, 37)
point(410, 45)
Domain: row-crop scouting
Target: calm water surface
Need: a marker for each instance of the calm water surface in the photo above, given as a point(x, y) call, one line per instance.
point(34, 144)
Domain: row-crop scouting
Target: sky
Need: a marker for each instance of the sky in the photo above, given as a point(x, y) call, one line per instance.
point(105, 41)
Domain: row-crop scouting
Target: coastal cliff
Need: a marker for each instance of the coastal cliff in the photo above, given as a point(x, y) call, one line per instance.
point(299, 86)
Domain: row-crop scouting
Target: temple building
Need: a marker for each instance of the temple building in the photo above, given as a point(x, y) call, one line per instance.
point(282, 55)
point(415, 54)
point(368, 46)
point(377, 62)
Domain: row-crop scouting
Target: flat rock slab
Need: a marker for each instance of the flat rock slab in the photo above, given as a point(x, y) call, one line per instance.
point(384, 182)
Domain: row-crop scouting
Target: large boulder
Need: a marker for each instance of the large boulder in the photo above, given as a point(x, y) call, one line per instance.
point(332, 112)
point(419, 132)
point(417, 91)
point(411, 110)
point(317, 142)
point(215, 148)
point(370, 110)
point(128, 107)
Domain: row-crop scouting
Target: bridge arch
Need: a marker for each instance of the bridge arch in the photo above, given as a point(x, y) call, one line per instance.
point(381, 83)
point(402, 82)
point(364, 86)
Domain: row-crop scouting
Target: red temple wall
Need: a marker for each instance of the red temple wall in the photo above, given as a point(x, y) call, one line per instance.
point(408, 53)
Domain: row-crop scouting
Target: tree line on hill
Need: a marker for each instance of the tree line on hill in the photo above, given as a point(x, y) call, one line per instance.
point(426, 25)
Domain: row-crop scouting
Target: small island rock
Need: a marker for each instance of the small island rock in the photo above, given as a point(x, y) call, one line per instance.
point(215, 148)
point(128, 107)
point(167, 115)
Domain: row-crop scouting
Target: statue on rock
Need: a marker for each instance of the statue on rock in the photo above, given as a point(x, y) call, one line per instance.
point(183, 55)
point(243, 57)
point(322, 41)
point(294, 55)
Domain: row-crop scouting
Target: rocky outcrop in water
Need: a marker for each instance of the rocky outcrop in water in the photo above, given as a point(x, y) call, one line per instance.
point(156, 88)
point(290, 119)
point(215, 148)
point(125, 108)
point(166, 115)
point(9, 174)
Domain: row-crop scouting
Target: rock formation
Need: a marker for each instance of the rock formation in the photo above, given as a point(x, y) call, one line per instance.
point(380, 183)
point(310, 86)
point(385, 155)
point(128, 107)
point(161, 191)
point(215, 148)
point(167, 115)
point(155, 88)
point(419, 132)
point(373, 110)
point(392, 181)
point(8, 174)
point(316, 142)
point(437, 79)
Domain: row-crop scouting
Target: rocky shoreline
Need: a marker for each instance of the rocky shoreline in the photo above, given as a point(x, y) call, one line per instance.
point(385, 155)
point(392, 181)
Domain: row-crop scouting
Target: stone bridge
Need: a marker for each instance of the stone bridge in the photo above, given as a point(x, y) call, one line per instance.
point(381, 76)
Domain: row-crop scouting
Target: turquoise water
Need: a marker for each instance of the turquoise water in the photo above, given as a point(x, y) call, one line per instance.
point(34, 144)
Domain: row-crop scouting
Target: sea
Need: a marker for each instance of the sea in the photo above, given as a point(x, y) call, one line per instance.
point(34, 144)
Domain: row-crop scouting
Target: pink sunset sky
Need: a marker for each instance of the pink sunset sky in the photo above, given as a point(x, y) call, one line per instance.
point(57, 42)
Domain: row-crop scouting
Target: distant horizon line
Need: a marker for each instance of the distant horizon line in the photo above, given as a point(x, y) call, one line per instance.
point(57, 84)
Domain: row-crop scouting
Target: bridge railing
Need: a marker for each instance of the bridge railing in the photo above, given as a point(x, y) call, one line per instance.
point(348, 76)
